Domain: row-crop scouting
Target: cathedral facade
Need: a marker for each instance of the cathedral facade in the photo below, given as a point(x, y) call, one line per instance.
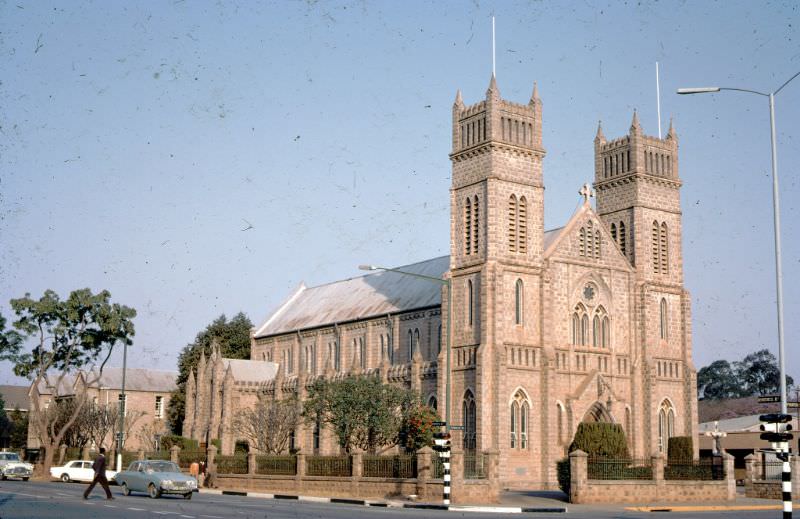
point(548, 328)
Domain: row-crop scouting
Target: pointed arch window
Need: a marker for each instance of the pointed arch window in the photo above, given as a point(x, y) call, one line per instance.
point(410, 345)
point(432, 403)
point(439, 341)
point(666, 425)
point(468, 412)
point(560, 422)
point(514, 423)
point(362, 352)
point(606, 332)
point(512, 223)
point(519, 419)
point(656, 247)
point(468, 226)
point(584, 330)
point(622, 238)
point(663, 320)
point(614, 232)
point(576, 329)
point(582, 242)
point(522, 225)
point(519, 300)
point(416, 343)
point(475, 225)
point(596, 338)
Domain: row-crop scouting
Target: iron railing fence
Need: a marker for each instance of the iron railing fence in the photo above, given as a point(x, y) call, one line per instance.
point(157, 455)
point(236, 464)
point(276, 465)
point(400, 466)
point(705, 469)
point(340, 466)
point(768, 470)
point(188, 456)
point(474, 465)
point(630, 468)
point(437, 467)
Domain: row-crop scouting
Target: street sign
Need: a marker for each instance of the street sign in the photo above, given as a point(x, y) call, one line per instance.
point(793, 405)
point(456, 427)
point(438, 424)
point(769, 399)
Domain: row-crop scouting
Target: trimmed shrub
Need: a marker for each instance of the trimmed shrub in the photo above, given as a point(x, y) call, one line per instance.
point(601, 440)
point(168, 440)
point(680, 448)
point(562, 471)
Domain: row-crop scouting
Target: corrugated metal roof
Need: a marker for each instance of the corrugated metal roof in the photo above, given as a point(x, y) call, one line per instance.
point(15, 397)
point(749, 423)
point(137, 379)
point(358, 298)
point(251, 370)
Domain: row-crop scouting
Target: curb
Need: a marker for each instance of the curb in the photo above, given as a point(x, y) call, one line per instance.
point(705, 508)
point(386, 504)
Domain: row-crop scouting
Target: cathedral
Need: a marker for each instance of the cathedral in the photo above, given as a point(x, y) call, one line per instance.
point(547, 329)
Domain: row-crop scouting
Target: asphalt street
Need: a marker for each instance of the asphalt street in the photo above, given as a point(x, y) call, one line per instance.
point(47, 500)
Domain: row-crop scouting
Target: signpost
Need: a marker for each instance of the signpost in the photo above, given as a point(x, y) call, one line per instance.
point(776, 427)
point(769, 399)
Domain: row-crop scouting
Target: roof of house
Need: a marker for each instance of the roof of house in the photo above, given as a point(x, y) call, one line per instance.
point(749, 423)
point(136, 379)
point(15, 397)
point(139, 379)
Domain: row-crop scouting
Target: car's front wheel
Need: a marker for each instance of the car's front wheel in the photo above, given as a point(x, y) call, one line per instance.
point(25, 479)
point(187, 496)
point(153, 491)
point(65, 478)
point(125, 490)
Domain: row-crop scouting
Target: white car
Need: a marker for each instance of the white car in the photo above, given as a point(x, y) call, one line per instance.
point(78, 470)
point(12, 467)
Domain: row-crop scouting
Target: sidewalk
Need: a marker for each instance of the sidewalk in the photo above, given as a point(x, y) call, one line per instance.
point(554, 499)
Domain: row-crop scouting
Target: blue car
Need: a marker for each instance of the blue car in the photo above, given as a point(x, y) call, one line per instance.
point(156, 477)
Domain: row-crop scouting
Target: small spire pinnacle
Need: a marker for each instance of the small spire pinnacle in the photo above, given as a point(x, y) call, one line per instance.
point(671, 134)
point(459, 102)
point(534, 94)
point(635, 122)
point(493, 90)
point(600, 137)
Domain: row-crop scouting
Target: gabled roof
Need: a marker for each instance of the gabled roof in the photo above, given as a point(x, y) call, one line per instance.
point(362, 297)
point(137, 379)
point(15, 397)
point(251, 370)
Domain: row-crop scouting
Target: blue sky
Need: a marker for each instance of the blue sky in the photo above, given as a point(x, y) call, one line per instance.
point(137, 140)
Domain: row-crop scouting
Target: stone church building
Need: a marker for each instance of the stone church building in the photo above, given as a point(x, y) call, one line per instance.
point(550, 328)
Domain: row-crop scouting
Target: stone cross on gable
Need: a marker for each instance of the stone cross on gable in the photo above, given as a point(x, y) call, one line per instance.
point(586, 192)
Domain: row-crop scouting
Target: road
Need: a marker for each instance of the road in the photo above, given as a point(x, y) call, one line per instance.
point(45, 500)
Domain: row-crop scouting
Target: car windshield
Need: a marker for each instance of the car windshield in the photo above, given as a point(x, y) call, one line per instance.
point(163, 466)
point(9, 456)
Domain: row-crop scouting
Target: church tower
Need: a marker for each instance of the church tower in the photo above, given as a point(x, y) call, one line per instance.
point(638, 197)
point(496, 247)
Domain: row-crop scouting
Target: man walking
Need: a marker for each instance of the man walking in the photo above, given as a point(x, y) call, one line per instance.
point(99, 467)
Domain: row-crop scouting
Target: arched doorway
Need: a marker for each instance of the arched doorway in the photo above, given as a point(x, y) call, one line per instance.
point(598, 413)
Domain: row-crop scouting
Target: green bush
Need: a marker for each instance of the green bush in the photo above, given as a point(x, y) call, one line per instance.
point(602, 440)
point(562, 471)
point(680, 448)
point(168, 440)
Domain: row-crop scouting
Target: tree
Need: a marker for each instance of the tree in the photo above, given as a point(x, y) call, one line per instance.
point(759, 374)
point(151, 434)
point(718, 380)
point(234, 339)
point(10, 341)
point(6, 426)
point(66, 336)
point(363, 412)
point(268, 426)
point(103, 422)
point(19, 431)
point(417, 429)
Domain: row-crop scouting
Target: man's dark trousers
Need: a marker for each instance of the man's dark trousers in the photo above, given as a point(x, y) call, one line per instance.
point(99, 467)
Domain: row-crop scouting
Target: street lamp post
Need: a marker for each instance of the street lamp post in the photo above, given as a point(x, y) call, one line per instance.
point(776, 216)
point(447, 283)
point(122, 404)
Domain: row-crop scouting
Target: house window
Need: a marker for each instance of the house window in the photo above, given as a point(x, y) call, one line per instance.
point(159, 407)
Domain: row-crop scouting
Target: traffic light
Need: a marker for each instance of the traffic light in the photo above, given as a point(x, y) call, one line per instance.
point(441, 442)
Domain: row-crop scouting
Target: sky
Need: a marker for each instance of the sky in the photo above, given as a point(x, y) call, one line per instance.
point(204, 158)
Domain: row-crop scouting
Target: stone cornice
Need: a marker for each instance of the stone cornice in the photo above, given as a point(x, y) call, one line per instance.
point(635, 177)
point(487, 147)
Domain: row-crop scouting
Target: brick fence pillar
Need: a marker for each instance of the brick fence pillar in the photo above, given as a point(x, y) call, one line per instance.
point(795, 464)
point(251, 462)
point(492, 460)
point(356, 461)
point(140, 454)
point(749, 472)
point(174, 452)
point(578, 475)
point(730, 476)
point(456, 475)
point(424, 456)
